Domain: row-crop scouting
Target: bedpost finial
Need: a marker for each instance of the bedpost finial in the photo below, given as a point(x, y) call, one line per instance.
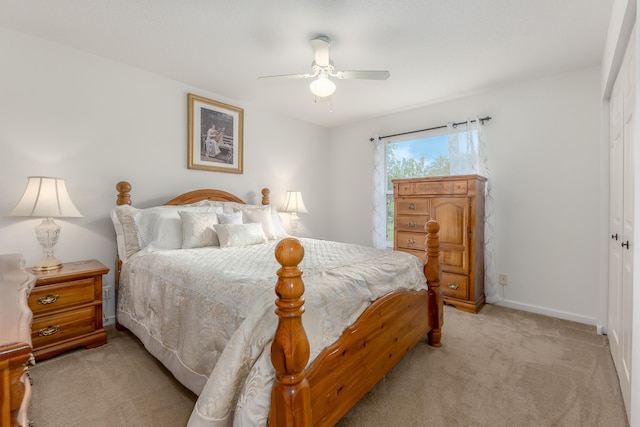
point(289, 252)
point(432, 226)
point(124, 198)
point(265, 196)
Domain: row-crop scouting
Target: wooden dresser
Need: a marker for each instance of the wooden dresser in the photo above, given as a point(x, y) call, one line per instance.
point(67, 308)
point(15, 340)
point(457, 203)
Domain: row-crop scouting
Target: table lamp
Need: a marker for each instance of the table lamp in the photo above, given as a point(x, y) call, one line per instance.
point(48, 198)
point(293, 204)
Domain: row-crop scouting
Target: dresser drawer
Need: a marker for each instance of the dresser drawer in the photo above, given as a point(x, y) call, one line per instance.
point(412, 206)
point(411, 223)
point(454, 285)
point(408, 240)
point(440, 187)
point(405, 189)
point(61, 326)
point(61, 295)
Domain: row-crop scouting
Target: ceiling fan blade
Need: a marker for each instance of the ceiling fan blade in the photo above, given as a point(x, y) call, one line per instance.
point(320, 46)
point(288, 76)
point(363, 74)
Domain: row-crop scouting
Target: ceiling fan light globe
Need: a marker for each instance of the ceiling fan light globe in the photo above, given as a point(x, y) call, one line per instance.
point(322, 87)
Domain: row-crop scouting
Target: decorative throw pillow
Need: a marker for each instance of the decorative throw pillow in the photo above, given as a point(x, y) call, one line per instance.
point(197, 229)
point(230, 218)
point(261, 215)
point(160, 227)
point(240, 234)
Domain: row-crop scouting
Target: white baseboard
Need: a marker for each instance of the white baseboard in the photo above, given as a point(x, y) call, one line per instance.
point(552, 313)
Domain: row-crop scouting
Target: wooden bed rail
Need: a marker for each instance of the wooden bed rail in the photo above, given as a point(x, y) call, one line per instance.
point(316, 396)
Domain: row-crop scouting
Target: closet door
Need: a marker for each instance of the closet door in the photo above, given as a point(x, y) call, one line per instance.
point(621, 248)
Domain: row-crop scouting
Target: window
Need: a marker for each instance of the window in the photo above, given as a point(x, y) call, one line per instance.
point(427, 156)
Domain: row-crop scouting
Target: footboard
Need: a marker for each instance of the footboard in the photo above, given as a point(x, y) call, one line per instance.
point(344, 372)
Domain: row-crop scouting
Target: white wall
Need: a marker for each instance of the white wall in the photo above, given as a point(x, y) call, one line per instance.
point(545, 148)
point(95, 122)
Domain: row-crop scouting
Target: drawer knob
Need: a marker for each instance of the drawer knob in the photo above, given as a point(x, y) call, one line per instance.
point(412, 206)
point(411, 224)
point(453, 286)
point(411, 241)
point(48, 331)
point(48, 299)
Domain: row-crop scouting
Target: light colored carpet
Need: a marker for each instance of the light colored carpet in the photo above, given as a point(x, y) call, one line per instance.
point(501, 367)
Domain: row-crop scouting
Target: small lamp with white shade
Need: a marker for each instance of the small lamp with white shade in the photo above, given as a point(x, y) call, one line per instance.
point(293, 205)
point(48, 198)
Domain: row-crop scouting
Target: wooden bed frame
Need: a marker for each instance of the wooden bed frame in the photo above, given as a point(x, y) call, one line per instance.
point(345, 371)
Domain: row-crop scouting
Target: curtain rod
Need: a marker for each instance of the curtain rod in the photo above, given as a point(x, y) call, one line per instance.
point(482, 120)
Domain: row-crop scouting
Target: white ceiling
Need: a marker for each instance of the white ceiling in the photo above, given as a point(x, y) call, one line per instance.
point(434, 49)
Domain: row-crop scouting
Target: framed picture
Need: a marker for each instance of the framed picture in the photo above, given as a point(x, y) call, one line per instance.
point(215, 135)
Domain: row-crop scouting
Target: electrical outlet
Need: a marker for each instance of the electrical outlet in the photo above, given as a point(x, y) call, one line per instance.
point(106, 292)
point(503, 279)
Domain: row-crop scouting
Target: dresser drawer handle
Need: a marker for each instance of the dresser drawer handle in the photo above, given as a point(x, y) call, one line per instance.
point(453, 286)
point(411, 241)
point(48, 299)
point(412, 206)
point(48, 331)
point(411, 224)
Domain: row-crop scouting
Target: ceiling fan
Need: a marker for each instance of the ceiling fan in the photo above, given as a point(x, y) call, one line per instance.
point(322, 68)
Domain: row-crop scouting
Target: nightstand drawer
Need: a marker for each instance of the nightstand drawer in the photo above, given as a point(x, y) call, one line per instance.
point(57, 327)
point(61, 295)
point(454, 285)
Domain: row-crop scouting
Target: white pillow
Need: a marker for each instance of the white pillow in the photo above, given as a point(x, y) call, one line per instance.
point(277, 224)
point(127, 236)
point(230, 218)
point(197, 229)
point(240, 234)
point(261, 215)
point(161, 227)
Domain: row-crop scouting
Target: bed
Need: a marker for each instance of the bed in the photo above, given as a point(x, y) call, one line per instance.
point(207, 311)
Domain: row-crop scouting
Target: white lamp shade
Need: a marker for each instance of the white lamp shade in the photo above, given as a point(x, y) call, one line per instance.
point(293, 203)
point(45, 197)
point(322, 87)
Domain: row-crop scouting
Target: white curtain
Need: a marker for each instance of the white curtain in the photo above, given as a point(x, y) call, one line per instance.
point(468, 155)
point(379, 209)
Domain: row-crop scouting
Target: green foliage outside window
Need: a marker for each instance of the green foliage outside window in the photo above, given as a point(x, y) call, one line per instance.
point(403, 167)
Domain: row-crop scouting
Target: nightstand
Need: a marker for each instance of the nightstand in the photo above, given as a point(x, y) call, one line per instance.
point(67, 308)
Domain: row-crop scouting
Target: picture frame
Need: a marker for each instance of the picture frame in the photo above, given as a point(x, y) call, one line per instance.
point(215, 135)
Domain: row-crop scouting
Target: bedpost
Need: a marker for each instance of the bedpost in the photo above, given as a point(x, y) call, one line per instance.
point(124, 198)
point(265, 196)
point(432, 273)
point(290, 397)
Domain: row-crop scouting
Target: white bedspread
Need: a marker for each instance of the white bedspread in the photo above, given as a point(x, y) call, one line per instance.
point(208, 314)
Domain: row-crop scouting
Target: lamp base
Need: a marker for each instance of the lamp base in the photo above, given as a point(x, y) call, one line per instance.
point(293, 223)
point(47, 264)
point(47, 233)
